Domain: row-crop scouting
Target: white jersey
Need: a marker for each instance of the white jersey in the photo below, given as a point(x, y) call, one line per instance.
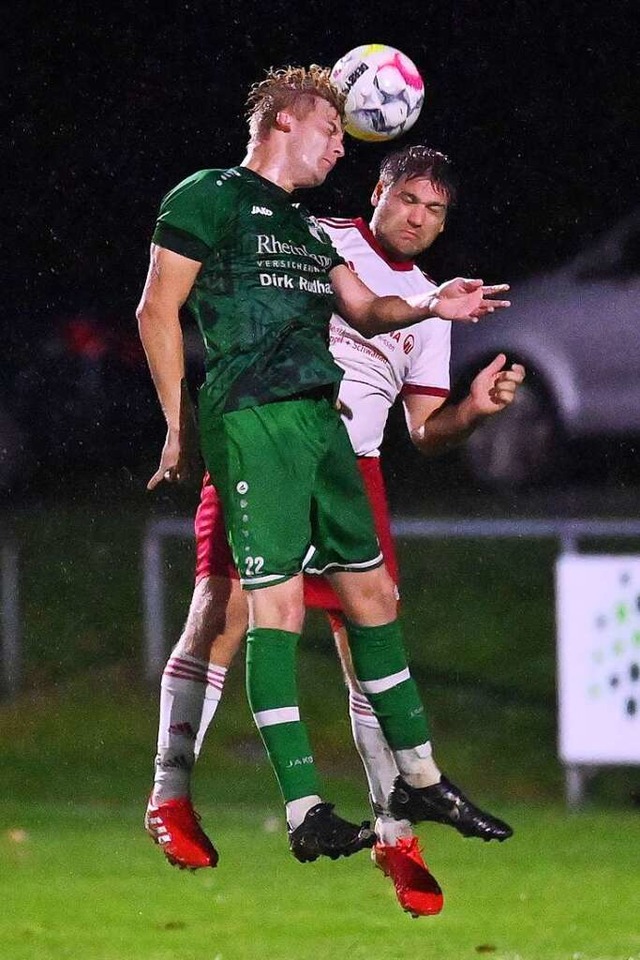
point(376, 371)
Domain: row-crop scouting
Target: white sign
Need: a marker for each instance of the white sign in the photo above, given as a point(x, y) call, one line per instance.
point(598, 629)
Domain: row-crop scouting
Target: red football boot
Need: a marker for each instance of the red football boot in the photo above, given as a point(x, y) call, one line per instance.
point(417, 890)
point(175, 826)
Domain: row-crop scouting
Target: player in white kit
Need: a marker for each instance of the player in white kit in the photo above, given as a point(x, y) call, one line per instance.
point(410, 203)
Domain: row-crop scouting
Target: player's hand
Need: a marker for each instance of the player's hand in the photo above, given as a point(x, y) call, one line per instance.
point(169, 460)
point(180, 459)
point(495, 387)
point(467, 300)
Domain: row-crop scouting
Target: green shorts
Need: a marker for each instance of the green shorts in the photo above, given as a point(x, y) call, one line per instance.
point(291, 491)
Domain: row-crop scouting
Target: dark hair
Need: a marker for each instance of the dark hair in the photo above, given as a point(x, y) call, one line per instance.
point(294, 88)
point(420, 161)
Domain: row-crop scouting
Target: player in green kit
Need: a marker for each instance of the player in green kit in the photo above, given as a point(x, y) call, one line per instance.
point(262, 278)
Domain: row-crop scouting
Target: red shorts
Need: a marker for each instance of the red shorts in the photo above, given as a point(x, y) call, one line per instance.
point(213, 556)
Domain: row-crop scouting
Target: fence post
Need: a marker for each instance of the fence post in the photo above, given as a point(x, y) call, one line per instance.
point(11, 633)
point(153, 604)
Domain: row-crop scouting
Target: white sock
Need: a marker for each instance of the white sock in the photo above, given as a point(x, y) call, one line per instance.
point(417, 765)
point(377, 758)
point(389, 831)
point(182, 692)
point(296, 810)
point(379, 765)
point(216, 676)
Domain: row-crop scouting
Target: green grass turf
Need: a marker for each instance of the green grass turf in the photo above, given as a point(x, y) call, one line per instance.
point(84, 882)
point(79, 879)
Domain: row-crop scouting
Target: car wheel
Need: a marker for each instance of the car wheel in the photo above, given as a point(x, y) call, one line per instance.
point(518, 447)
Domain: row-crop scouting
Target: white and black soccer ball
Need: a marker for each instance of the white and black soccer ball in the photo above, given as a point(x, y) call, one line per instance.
point(384, 91)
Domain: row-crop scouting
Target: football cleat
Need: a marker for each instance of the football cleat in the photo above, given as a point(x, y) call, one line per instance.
point(445, 803)
point(175, 827)
point(417, 890)
point(323, 834)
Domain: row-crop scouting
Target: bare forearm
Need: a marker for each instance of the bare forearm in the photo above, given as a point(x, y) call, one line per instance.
point(446, 428)
point(385, 314)
point(161, 336)
point(459, 299)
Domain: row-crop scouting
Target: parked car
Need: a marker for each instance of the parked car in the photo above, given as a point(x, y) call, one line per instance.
point(577, 330)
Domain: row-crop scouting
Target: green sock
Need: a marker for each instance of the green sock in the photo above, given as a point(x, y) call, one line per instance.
point(381, 668)
point(273, 698)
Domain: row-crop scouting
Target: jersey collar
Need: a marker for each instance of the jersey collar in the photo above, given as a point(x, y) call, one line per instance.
point(401, 265)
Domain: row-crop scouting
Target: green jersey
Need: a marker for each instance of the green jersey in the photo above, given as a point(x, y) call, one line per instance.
point(262, 298)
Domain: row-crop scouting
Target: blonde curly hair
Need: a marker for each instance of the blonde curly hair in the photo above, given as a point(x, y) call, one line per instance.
point(293, 88)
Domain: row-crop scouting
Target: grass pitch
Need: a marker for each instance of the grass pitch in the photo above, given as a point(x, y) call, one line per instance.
point(84, 882)
point(79, 879)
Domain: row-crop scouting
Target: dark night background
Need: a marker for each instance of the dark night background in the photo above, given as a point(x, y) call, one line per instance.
point(109, 105)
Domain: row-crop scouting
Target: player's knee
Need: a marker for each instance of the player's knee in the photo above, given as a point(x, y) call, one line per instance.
point(216, 616)
point(280, 606)
point(282, 617)
point(379, 589)
point(370, 599)
point(199, 634)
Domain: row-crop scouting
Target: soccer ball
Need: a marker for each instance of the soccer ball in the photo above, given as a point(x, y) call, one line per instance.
point(384, 91)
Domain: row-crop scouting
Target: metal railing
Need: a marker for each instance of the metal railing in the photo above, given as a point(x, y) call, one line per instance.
point(567, 532)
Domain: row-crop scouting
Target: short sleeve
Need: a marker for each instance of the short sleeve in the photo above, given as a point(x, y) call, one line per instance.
point(429, 370)
point(337, 260)
point(189, 218)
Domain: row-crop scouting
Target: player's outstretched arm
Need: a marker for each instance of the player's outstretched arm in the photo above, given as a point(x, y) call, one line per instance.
point(435, 429)
point(462, 299)
point(168, 284)
point(459, 299)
